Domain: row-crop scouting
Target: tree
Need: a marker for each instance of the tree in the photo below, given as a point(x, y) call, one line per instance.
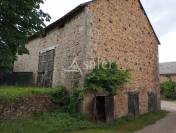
point(19, 19)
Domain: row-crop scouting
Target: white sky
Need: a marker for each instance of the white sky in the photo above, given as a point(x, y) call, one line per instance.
point(161, 14)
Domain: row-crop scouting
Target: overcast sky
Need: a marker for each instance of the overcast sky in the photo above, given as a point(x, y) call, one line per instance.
point(162, 14)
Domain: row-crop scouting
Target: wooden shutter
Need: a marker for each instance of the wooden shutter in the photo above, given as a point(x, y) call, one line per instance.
point(152, 102)
point(133, 103)
point(109, 108)
point(45, 68)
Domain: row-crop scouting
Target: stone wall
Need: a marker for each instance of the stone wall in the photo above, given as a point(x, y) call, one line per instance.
point(121, 32)
point(106, 29)
point(164, 78)
point(25, 107)
point(69, 42)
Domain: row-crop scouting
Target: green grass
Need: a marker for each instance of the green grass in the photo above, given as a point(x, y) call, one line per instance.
point(56, 122)
point(127, 124)
point(12, 93)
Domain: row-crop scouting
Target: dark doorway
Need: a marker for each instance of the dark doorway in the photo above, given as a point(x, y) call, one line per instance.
point(133, 103)
point(100, 102)
point(45, 68)
point(152, 102)
point(105, 108)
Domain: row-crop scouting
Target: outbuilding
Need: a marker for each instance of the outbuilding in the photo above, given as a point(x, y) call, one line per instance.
point(116, 30)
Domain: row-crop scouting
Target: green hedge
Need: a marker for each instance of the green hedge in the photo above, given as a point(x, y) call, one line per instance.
point(168, 90)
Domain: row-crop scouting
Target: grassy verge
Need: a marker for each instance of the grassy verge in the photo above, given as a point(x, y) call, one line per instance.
point(11, 93)
point(56, 122)
point(127, 124)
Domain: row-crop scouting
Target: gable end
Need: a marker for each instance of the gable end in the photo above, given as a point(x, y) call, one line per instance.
point(149, 22)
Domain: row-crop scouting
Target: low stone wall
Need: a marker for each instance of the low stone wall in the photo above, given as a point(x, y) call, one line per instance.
point(164, 78)
point(25, 107)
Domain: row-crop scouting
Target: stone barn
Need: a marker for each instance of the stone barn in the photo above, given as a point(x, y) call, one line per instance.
point(167, 71)
point(116, 30)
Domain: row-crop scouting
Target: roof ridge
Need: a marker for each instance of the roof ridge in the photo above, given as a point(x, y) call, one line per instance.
point(167, 62)
point(62, 20)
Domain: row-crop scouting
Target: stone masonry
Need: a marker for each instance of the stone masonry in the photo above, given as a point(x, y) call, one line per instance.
point(25, 107)
point(121, 32)
point(116, 30)
point(164, 78)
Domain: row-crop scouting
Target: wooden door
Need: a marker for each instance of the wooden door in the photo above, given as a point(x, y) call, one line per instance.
point(133, 103)
point(152, 102)
point(105, 108)
point(45, 68)
point(109, 108)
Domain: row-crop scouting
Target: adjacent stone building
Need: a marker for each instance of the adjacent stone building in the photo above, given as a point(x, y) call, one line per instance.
point(167, 71)
point(116, 30)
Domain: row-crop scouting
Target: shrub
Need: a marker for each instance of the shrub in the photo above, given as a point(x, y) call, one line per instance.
point(107, 80)
point(76, 96)
point(61, 99)
point(168, 90)
point(68, 101)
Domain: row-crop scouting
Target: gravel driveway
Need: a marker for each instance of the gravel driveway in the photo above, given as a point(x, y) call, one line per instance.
point(169, 106)
point(165, 125)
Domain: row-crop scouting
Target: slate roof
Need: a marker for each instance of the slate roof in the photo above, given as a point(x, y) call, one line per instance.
point(167, 68)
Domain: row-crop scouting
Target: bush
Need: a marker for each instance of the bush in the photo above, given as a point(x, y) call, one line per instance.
point(61, 99)
point(168, 90)
point(76, 96)
point(107, 80)
point(68, 101)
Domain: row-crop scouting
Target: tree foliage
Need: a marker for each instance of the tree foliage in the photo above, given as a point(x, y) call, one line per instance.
point(19, 19)
point(108, 80)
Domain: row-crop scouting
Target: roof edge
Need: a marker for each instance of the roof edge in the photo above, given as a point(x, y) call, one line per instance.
point(167, 62)
point(149, 23)
point(61, 21)
point(164, 74)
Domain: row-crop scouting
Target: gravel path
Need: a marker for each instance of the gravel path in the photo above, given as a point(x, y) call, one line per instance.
point(169, 106)
point(165, 125)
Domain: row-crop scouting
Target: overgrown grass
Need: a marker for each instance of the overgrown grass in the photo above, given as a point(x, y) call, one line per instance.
point(12, 93)
point(56, 122)
point(127, 124)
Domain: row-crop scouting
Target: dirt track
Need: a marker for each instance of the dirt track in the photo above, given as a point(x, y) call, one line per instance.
point(165, 125)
